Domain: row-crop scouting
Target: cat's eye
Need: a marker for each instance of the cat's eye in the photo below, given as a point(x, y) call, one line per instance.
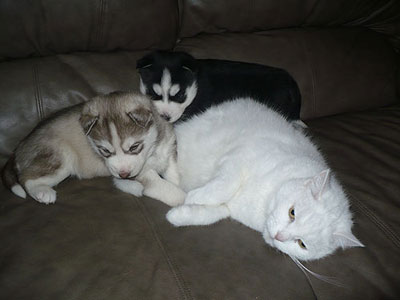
point(135, 148)
point(301, 244)
point(105, 152)
point(292, 215)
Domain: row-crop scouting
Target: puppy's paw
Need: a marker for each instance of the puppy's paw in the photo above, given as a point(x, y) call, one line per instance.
point(177, 197)
point(43, 194)
point(129, 186)
point(179, 216)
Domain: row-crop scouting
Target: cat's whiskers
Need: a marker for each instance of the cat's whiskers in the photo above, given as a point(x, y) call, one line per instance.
point(327, 279)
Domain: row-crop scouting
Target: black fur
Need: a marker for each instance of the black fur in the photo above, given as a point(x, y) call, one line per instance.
point(221, 80)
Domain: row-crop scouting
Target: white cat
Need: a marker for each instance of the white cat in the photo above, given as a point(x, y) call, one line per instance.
point(242, 160)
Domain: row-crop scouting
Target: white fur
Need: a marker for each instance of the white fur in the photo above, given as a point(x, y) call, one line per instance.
point(165, 85)
point(174, 89)
point(161, 189)
point(129, 186)
point(18, 190)
point(157, 89)
point(243, 160)
point(142, 87)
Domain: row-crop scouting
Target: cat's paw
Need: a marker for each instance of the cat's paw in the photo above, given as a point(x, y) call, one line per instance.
point(43, 194)
point(185, 215)
point(196, 196)
point(177, 197)
point(180, 216)
point(129, 186)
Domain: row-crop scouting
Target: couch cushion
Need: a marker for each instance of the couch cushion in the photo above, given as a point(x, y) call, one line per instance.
point(49, 27)
point(338, 70)
point(98, 243)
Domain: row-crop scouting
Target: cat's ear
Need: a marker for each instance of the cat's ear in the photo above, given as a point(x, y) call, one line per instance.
point(347, 240)
point(319, 183)
point(142, 117)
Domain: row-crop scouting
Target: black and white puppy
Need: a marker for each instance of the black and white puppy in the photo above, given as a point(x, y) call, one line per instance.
point(182, 86)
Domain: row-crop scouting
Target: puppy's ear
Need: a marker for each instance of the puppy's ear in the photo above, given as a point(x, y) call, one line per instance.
point(145, 62)
point(142, 117)
point(89, 117)
point(87, 122)
point(189, 63)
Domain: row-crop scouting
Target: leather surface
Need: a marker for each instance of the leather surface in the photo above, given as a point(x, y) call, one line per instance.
point(40, 28)
point(96, 243)
point(207, 16)
point(337, 70)
point(99, 243)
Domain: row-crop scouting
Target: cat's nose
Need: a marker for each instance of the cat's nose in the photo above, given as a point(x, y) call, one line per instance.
point(124, 174)
point(280, 237)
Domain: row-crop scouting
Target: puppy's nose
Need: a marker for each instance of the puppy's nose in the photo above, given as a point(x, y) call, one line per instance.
point(124, 174)
point(166, 117)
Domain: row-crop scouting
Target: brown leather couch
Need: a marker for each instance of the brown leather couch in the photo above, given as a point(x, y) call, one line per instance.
point(98, 243)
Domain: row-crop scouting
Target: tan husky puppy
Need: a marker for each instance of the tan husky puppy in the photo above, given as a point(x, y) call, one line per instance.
point(119, 134)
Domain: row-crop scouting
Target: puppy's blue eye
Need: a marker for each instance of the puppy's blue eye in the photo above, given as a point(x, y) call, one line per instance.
point(105, 152)
point(136, 148)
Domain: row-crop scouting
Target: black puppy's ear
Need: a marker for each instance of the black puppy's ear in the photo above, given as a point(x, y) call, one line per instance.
point(189, 63)
point(145, 62)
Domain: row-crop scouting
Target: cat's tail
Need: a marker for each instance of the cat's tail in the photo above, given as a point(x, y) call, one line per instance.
point(9, 176)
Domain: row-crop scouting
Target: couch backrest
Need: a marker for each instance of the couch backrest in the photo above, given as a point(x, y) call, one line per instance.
point(209, 16)
point(337, 69)
point(341, 52)
point(41, 28)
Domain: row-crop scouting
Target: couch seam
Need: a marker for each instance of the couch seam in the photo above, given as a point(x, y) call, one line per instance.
point(391, 235)
point(99, 27)
point(180, 8)
point(312, 71)
point(173, 267)
point(311, 12)
point(38, 94)
point(103, 14)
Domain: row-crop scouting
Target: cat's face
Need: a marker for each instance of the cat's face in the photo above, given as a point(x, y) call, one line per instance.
point(310, 218)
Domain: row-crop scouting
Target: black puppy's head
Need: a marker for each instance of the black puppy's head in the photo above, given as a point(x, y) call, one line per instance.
point(169, 78)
